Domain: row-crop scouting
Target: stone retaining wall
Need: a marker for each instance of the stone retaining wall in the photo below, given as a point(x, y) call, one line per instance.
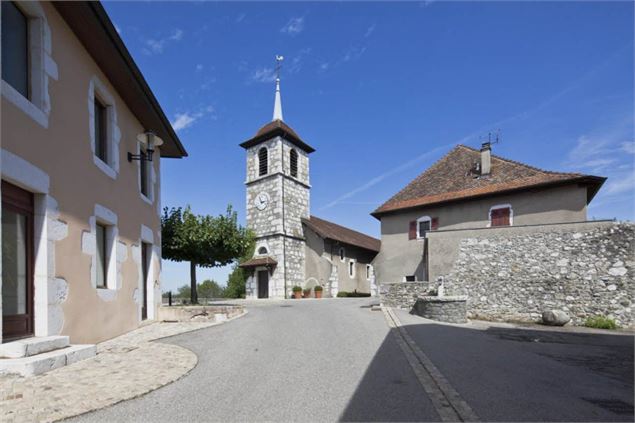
point(199, 313)
point(442, 309)
point(516, 275)
point(403, 294)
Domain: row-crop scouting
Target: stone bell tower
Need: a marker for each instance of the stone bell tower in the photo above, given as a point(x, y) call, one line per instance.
point(278, 193)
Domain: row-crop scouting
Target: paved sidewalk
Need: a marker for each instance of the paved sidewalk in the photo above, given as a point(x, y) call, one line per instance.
point(125, 367)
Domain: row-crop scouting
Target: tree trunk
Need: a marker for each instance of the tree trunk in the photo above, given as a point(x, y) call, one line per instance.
point(193, 293)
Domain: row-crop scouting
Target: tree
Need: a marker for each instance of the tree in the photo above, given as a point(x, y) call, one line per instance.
point(238, 277)
point(184, 292)
point(210, 289)
point(204, 241)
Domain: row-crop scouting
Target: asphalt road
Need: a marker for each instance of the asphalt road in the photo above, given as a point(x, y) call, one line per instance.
point(508, 374)
point(288, 361)
point(330, 360)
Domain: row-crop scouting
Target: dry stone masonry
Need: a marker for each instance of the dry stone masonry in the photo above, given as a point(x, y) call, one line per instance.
point(403, 295)
point(518, 276)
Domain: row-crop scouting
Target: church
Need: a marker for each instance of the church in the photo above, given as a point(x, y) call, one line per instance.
point(294, 248)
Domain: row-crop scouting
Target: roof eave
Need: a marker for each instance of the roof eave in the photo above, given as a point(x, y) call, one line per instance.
point(595, 183)
point(275, 132)
point(113, 58)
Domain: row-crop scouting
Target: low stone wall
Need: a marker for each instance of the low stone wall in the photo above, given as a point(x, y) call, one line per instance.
point(199, 313)
point(442, 309)
point(402, 294)
point(583, 270)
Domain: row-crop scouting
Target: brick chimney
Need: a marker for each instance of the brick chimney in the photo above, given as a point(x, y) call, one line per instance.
point(486, 158)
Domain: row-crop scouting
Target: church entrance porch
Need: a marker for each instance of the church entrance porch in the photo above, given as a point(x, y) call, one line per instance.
point(263, 284)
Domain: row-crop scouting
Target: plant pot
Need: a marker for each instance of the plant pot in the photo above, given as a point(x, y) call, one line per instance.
point(297, 295)
point(318, 294)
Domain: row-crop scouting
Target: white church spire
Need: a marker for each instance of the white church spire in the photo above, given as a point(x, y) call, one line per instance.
point(277, 105)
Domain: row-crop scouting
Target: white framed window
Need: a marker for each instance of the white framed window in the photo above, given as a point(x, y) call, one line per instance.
point(107, 253)
point(342, 254)
point(369, 271)
point(500, 215)
point(424, 224)
point(104, 133)
point(26, 59)
point(351, 268)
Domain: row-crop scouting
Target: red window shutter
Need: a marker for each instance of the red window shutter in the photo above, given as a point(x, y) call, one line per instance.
point(434, 225)
point(412, 230)
point(500, 217)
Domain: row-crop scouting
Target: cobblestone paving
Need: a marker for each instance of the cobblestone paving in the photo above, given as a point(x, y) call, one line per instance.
point(125, 367)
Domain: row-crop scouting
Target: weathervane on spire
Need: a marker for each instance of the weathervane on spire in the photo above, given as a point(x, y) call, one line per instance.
point(277, 106)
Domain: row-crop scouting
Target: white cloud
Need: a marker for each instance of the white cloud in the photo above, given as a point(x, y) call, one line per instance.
point(294, 26)
point(199, 67)
point(177, 35)
point(156, 46)
point(370, 30)
point(185, 120)
point(628, 147)
point(263, 75)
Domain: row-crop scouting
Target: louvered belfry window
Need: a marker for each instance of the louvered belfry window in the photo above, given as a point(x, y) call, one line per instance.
point(263, 162)
point(293, 160)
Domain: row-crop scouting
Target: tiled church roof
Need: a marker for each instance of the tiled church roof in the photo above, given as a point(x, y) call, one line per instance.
point(333, 231)
point(451, 179)
point(273, 129)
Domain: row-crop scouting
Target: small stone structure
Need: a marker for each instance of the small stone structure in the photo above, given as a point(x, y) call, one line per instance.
point(442, 309)
point(199, 313)
point(403, 295)
point(517, 273)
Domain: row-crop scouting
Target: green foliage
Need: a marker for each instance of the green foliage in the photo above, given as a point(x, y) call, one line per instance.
point(183, 292)
point(238, 277)
point(352, 294)
point(317, 288)
point(297, 288)
point(202, 240)
point(210, 289)
point(600, 322)
point(205, 240)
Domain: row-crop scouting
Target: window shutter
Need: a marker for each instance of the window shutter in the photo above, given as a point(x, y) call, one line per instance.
point(412, 230)
point(434, 225)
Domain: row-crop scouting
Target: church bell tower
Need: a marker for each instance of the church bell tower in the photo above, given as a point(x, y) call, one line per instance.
point(278, 195)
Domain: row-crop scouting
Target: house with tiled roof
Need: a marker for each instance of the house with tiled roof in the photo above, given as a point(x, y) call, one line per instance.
point(294, 248)
point(467, 189)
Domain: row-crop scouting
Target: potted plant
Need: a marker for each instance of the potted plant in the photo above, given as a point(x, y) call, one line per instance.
point(318, 291)
point(307, 292)
point(297, 292)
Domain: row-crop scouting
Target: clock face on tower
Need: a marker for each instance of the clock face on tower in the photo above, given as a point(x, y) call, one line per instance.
point(262, 201)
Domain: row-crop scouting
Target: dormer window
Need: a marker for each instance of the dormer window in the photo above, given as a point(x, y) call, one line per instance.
point(293, 162)
point(263, 162)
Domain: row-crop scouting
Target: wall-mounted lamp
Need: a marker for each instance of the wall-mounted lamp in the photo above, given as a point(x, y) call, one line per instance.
point(151, 141)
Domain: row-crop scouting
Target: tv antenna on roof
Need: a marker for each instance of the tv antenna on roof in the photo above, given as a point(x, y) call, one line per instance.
point(492, 137)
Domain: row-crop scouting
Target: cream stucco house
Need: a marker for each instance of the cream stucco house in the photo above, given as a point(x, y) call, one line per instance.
point(472, 189)
point(80, 164)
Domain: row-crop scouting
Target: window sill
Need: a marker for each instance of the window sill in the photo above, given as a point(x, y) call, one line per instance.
point(104, 167)
point(144, 198)
point(106, 294)
point(24, 104)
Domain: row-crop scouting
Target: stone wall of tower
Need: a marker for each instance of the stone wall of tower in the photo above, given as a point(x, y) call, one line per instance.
point(288, 204)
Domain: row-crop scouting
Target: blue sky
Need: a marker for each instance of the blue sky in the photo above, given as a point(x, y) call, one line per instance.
point(382, 90)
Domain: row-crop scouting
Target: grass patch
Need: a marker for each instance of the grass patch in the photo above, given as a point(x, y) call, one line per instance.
point(600, 322)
